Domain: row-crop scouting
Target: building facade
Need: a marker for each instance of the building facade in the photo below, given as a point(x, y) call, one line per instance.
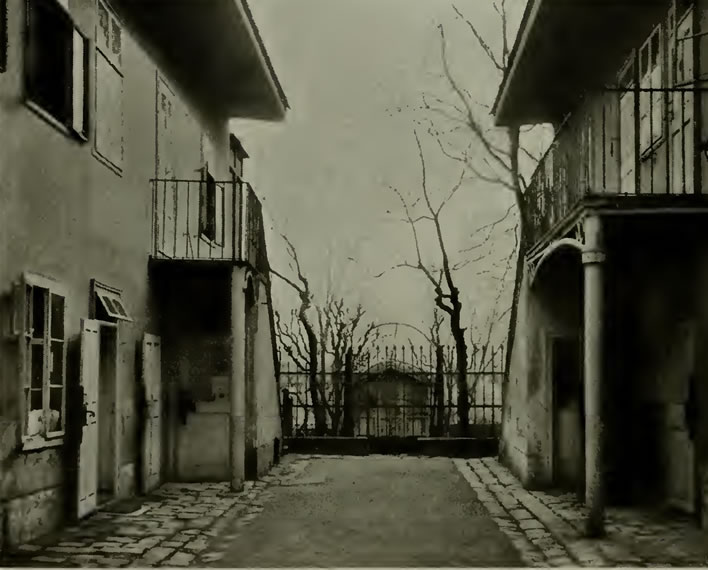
point(136, 321)
point(608, 382)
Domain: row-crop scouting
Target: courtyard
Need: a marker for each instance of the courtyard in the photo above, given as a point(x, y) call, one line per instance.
point(346, 511)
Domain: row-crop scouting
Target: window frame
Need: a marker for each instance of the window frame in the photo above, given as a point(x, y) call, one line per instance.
point(211, 192)
point(4, 36)
point(24, 333)
point(99, 293)
point(66, 122)
point(115, 61)
point(646, 79)
point(628, 81)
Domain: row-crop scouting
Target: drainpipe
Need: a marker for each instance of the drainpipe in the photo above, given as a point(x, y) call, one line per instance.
point(593, 268)
point(237, 389)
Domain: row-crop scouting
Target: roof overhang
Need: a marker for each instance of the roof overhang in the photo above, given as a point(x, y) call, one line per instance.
point(212, 49)
point(563, 49)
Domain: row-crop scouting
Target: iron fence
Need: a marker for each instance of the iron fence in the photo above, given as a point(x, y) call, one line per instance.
point(396, 392)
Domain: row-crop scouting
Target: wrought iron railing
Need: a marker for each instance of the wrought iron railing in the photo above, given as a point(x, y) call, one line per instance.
point(396, 393)
point(207, 219)
point(623, 142)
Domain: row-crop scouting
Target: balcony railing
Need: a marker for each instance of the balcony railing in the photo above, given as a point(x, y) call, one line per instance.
point(623, 143)
point(207, 220)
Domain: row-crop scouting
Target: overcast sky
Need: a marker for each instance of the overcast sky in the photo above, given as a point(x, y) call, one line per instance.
point(354, 73)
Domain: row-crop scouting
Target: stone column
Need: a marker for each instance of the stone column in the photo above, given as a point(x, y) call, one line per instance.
point(594, 309)
point(237, 388)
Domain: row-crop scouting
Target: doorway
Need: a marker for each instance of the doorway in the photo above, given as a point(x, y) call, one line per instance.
point(98, 449)
point(568, 414)
point(107, 413)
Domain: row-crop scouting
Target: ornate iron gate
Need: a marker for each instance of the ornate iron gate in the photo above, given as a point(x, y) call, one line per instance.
point(396, 392)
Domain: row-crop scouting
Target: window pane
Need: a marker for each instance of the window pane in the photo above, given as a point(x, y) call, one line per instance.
point(39, 296)
point(35, 399)
point(55, 408)
point(49, 58)
point(56, 375)
point(37, 365)
point(109, 304)
point(57, 316)
point(119, 308)
point(33, 423)
point(28, 308)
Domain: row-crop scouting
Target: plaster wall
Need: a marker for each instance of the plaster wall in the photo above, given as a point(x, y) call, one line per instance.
point(68, 214)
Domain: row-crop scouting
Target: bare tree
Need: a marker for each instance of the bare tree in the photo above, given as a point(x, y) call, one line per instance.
point(342, 333)
point(306, 359)
point(498, 164)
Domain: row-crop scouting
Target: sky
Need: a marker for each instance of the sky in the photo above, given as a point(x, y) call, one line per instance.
point(355, 73)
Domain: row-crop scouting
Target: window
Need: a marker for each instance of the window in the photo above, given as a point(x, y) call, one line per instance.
point(3, 35)
point(211, 208)
point(56, 65)
point(107, 303)
point(237, 155)
point(651, 98)
point(627, 98)
point(40, 309)
point(109, 86)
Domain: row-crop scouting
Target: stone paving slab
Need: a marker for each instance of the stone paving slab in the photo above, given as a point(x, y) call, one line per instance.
point(547, 529)
point(176, 526)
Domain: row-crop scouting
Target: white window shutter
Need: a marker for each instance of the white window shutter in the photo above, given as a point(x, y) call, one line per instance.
point(79, 79)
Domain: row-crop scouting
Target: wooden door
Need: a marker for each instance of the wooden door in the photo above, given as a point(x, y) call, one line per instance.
point(151, 378)
point(88, 450)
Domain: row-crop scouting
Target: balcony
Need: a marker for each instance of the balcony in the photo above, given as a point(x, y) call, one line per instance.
point(624, 150)
point(207, 220)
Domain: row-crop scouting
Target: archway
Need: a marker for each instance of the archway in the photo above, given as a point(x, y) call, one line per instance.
point(557, 287)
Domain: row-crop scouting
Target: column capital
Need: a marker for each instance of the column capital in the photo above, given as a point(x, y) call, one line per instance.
point(594, 256)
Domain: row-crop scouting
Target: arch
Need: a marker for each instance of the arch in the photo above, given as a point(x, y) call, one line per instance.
point(565, 243)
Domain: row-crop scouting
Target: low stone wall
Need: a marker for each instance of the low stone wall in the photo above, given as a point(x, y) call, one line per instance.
point(428, 446)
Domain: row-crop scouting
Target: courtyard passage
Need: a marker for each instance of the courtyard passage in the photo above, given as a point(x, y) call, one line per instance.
point(325, 511)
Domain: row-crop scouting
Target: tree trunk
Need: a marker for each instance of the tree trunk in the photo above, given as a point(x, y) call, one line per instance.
point(439, 393)
point(317, 404)
point(463, 402)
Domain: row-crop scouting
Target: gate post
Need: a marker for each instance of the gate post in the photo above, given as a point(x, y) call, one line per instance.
point(347, 412)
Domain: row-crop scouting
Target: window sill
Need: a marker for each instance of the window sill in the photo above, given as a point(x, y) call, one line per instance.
point(37, 442)
point(58, 125)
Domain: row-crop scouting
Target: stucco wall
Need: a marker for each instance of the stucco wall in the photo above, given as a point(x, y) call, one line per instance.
point(513, 452)
point(69, 216)
point(268, 426)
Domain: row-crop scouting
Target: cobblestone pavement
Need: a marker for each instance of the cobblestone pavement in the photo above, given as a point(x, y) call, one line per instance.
point(365, 511)
point(547, 529)
point(174, 526)
point(310, 511)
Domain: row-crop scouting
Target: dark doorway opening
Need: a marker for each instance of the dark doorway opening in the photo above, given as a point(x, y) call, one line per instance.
point(568, 415)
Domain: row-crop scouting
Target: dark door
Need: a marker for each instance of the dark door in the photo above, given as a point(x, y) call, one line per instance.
point(568, 415)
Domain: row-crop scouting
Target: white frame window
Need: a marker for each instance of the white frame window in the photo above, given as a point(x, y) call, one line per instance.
point(651, 103)
point(56, 66)
point(40, 326)
point(111, 301)
point(627, 126)
point(109, 140)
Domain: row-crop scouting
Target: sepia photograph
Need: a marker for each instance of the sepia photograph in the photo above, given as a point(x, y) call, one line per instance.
point(353, 283)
